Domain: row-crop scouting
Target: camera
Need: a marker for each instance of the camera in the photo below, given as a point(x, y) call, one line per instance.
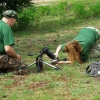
point(39, 61)
point(46, 51)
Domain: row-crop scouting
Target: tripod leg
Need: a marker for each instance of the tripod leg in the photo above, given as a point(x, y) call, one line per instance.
point(39, 66)
point(57, 68)
point(32, 64)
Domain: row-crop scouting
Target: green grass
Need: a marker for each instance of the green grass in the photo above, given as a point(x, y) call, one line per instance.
point(70, 83)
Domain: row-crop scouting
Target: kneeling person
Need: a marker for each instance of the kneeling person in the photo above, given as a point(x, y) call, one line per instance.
point(9, 59)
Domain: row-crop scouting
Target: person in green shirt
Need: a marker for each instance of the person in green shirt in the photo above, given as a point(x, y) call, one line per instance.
point(9, 59)
point(79, 48)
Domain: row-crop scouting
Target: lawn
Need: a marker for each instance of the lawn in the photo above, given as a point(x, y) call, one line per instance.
point(69, 83)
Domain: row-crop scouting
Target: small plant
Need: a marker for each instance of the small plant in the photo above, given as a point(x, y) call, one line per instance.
point(26, 17)
point(97, 97)
point(13, 95)
point(43, 10)
point(95, 10)
point(62, 8)
point(2, 93)
point(8, 82)
point(79, 10)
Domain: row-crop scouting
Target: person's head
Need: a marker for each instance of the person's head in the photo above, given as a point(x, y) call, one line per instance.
point(73, 50)
point(10, 16)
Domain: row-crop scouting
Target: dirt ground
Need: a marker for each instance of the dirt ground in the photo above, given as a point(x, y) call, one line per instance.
point(43, 1)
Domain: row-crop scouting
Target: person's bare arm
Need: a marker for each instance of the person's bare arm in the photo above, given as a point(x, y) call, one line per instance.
point(64, 62)
point(57, 51)
point(11, 52)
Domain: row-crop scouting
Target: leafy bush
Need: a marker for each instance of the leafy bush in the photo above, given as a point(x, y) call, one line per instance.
point(50, 13)
point(2, 7)
point(26, 17)
point(62, 7)
point(14, 4)
point(21, 6)
point(43, 10)
point(59, 9)
point(79, 10)
point(50, 16)
point(95, 10)
point(53, 10)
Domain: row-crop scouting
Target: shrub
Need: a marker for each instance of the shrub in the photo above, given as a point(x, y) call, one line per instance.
point(79, 10)
point(26, 17)
point(14, 4)
point(43, 10)
point(95, 10)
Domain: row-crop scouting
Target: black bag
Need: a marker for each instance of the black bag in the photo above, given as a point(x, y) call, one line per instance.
point(93, 69)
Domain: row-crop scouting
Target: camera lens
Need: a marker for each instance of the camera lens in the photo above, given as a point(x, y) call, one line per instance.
point(51, 55)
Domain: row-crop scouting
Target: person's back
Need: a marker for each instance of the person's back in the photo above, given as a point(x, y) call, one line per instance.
point(87, 39)
point(79, 48)
point(6, 36)
point(87, 36)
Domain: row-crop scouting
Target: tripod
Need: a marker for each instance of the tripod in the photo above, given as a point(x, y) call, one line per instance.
point(39, 63)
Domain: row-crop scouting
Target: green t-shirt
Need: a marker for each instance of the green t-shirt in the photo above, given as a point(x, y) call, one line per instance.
point(87, 38)
point(6, 36)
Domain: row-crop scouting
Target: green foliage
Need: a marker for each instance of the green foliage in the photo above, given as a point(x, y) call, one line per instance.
point(14, 4)
point(97, 97)
point(95, 10)
point(79, 10)
point(43, 10)
point(59, 9)
point(2, 6)
point(26, 17)
point(62, 7)
point(52, 16)
point(53, 10)
point(70, 83)
point(23, 22)
point(22, 6)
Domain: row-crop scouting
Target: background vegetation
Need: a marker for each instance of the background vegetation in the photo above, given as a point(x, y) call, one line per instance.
point(50, 25)
point(57, 14)
point(14, 4)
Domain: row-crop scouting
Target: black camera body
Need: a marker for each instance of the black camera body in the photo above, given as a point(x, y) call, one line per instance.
point(46, 51)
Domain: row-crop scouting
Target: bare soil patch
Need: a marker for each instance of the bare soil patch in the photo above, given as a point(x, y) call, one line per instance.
point(37, 1)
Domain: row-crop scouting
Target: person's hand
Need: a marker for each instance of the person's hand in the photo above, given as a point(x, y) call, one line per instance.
point(18, 56)
point(56, 55)
point(64, 62)
point(59, 62)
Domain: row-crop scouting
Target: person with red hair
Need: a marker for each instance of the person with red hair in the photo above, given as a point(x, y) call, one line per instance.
point(79, 48)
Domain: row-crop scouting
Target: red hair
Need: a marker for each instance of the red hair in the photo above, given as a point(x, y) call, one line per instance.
point(74, 49)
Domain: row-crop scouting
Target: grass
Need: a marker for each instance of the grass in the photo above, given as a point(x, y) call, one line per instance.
point(70, 83)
